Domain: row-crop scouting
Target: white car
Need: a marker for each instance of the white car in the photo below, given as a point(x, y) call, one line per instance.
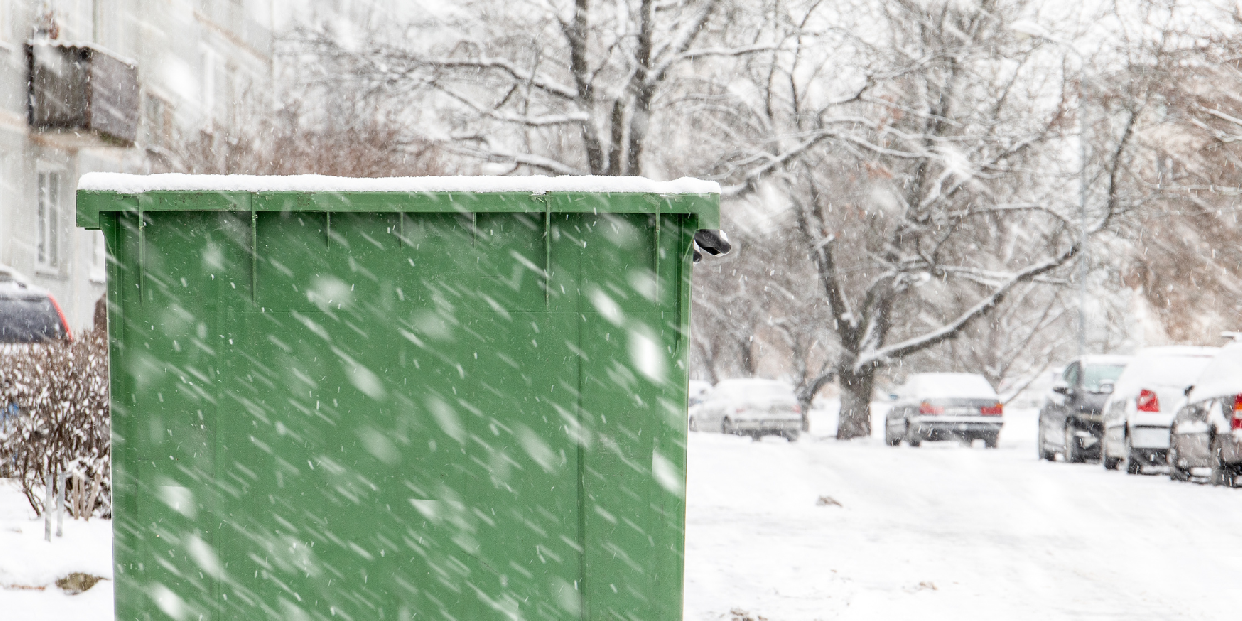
point(944, 406)
point(750, 407)
point(698, 390)
point(1145, 398)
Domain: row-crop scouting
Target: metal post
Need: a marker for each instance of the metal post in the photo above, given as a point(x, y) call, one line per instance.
point(60, 504)
point(48, 480)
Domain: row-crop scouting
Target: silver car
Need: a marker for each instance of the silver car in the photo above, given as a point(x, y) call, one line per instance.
point(944, 406)
point(750, 407)
point(1207, 430)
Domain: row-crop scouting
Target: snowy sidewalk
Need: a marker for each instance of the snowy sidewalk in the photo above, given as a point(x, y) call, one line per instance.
point(30, 566)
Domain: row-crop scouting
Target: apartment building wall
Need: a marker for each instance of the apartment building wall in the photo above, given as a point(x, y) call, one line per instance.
point(202, 65)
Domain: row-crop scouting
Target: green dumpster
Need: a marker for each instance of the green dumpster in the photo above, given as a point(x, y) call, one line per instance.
point(440, 398)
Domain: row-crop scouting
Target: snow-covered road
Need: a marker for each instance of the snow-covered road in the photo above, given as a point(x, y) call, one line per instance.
point(949, 532)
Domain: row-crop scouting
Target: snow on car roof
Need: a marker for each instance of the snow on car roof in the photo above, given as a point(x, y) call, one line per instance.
point(1106, 359)
point(961, 385)
point(1164, 366)
point(174, 182)
point(751, 387)
point(1222, 376)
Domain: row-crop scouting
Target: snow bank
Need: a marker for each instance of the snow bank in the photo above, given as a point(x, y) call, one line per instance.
point(137, 184)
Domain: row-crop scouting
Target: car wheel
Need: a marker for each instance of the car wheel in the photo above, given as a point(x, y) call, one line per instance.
point(991, 441)
point(1044, 453)
point(1109, 462)
point(1176, 473)
point(1073, 452)
point(1222, 473)
point(1132, 465)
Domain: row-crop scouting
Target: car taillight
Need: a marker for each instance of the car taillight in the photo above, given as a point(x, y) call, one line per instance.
point(797, 409)
point(739, 410)
point(993, 410)
point(1148, 401)
point(64, 324)
point(927, 408)
point(1236, 423)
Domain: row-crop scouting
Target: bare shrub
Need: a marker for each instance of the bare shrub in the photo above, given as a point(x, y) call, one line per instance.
point(62, 423)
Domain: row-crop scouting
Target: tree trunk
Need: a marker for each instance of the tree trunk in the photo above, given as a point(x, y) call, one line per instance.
point(805, 407)
point(855, 420)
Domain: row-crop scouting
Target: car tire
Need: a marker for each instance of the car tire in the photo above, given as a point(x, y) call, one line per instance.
point(1072, 452)
point(890, 440)
point(991, 441)
point(1132, 465)
point(1176, 473)
point(791, 436)
point(1109, 462)
point(1222, 473)
point(915, 442)
point(1041, 447)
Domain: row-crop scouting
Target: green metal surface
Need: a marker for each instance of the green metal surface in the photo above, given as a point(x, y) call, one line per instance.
point(471, 413)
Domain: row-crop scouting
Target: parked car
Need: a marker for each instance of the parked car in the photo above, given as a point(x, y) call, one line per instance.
point(28, 314)
point(750, 407)
point(1207, 431)
point(1071, 420)
point(944, 406)
point(1143, 402)
point(698, 390)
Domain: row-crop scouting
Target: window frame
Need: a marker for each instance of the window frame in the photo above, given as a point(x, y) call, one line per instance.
point(49, 218)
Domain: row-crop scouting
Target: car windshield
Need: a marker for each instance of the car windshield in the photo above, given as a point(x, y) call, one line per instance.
point(1096, 374)
point(29, 320)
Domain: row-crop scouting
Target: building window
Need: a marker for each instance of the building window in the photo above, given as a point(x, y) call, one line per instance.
point(157, 129)
point(48, 240)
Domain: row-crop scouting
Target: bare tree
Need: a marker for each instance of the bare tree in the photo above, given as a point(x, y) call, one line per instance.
point(549, 86)
point(931, 178)
point(1180, 252)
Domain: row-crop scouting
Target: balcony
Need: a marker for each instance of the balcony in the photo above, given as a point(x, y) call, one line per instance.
point(81, 88)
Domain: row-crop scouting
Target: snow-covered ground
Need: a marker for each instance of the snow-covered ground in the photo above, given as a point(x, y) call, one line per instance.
point(949, 532)
point(30, 566)
point(938, 532)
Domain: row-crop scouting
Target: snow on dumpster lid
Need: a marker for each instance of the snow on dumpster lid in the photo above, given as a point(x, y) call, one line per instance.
point(136, 184)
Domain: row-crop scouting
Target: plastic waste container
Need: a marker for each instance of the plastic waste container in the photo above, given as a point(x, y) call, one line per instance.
point(437, 398)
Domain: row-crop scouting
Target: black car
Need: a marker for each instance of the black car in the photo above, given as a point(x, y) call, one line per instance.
point(1071, 419)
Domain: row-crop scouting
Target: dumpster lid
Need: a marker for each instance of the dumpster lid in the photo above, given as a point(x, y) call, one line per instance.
point(122, 183)
point(98, 191)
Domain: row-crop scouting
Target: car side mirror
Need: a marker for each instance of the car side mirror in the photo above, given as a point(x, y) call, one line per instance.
point(1061, 388)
